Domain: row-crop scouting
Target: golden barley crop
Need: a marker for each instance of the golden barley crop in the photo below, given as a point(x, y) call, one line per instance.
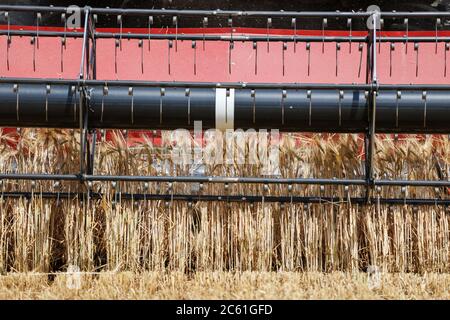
point(114, 234)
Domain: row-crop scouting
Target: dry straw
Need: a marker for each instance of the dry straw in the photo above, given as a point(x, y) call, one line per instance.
point(44, 235)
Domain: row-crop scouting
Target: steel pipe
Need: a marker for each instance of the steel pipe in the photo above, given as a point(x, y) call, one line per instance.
point(228, 198)
point(319, 110)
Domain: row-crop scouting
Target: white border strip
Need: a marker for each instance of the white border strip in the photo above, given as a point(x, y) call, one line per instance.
point(224, 109)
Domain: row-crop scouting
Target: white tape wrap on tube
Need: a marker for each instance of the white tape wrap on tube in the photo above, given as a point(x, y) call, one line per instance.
point(224, 109)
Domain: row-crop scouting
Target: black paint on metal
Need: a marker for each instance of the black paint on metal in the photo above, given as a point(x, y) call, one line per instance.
point(146, 107)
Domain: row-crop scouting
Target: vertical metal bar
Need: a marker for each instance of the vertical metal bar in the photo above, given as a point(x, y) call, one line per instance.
point(82, 75)
point(92, 63)
point(372, 102)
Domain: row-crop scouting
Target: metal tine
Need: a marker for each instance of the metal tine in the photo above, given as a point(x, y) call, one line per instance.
point(398, 97)
point(8, 39)
point(404, 191)
point(187, 93)
point(63, 40)
point(16, 90)
point(347, 193)
point(269, 25)
point(283, 49)
point(162, 94)
point(33, 42)
point(105, 93)
point(379, 37)
point(253, 95)
point(321, 193)
point(283, 98)
point(63, 46)
point(392, 48)
point(255, 47)
point(446, 49)
point(38, 20)
point(324, 25)
point(168, 53)
point(438, 24)
point(338, 48)
point(64, 21)
point(130, 93)
point(150, 22)
point(406, 23)
point(73, 90)
point(230, 24)
point(175, 23)
point(205, 25)
point(116, 45)
point(416, 49)
point(119, 22)
point(309, 96)
point(294, 26)
point(424, 98)
point(230, 48)
point(290, 188)
point(308, 48)
point(349, 25)
point(360, 48)
point(341, 97)
point(194, 46)
point(47, 92)
point(141, 45)
point(231, 45)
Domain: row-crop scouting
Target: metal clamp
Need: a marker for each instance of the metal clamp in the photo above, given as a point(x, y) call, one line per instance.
point(187, 93)
point(130, 93)
point(175, 23)
point(205, 25)
point(324, 25)
point(398, 97)
point(269, 25)
point(253, 95)
point(105, 93)
point(341, 97)
point(150, 22)
point(16, 90)
point(283, 98)
point(294, 26)
point(47, 92)
point(119, 22)
point(162, 94)
point(309, 96)
point(424, 98)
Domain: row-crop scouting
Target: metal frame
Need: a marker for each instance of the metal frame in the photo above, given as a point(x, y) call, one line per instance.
point(87, 77)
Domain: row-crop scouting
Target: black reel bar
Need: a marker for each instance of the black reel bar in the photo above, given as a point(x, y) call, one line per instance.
point(306, 110)
point(343, 108)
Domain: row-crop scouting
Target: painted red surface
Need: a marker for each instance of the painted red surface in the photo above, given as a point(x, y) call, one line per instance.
point(326, 64)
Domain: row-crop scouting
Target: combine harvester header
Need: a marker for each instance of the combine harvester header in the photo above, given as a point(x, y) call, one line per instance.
point(89, 78)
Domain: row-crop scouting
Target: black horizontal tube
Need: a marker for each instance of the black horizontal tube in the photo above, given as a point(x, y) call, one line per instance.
point(208, 37)
point(255, 38)
point(227, 13)
point(235, 85)
point(183, 84)
point(320, 110)
point(193, 37)
point(218, 179)
point(224, 13)
point(228, 198)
